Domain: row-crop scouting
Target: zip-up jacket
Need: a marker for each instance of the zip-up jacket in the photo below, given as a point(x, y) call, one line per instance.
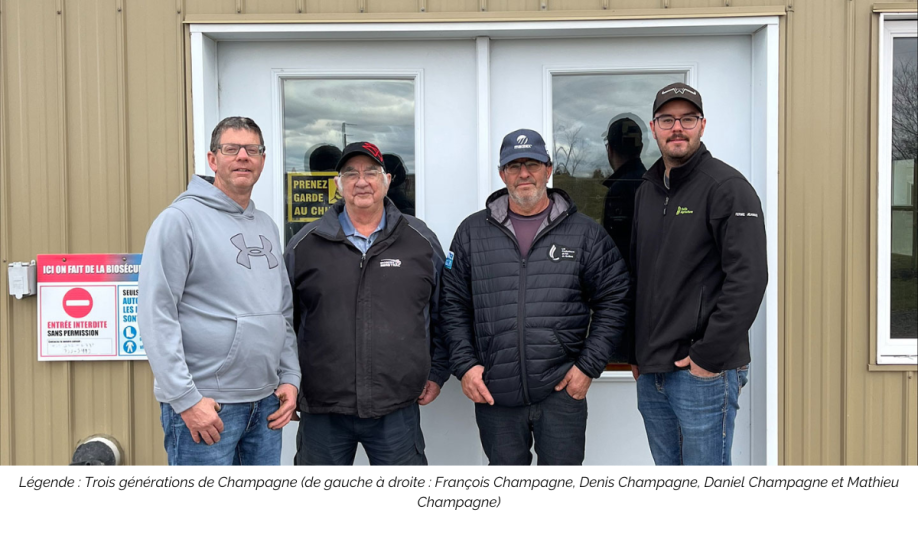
point(525, 319)
point(699, 265)
point(366, 324)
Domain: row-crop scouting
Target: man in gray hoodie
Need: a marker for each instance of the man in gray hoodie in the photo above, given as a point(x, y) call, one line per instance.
point(216, 313)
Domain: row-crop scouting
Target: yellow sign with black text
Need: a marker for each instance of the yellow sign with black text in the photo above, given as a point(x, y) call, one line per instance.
point(310, 194)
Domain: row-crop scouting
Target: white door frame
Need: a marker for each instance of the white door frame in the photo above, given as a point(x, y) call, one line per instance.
point(764, 33)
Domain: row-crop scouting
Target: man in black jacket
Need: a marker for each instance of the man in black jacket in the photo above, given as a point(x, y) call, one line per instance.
point(365, 281)
point(524, 280)
point(700, 271)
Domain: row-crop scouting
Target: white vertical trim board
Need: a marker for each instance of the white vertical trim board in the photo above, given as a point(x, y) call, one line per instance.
point(485, 171)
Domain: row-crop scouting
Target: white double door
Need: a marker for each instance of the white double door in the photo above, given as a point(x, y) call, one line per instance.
point(445, 105)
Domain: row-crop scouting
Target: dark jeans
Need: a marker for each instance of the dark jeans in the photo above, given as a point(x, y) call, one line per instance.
point(330, 439)
point(557, 423)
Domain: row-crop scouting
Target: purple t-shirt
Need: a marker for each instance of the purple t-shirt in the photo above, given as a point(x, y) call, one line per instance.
point(526, 227)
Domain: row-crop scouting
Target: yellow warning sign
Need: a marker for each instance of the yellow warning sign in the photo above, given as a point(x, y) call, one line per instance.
point(310, 194)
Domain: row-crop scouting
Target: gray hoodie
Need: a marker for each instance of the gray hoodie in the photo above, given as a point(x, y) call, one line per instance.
point(216, 310)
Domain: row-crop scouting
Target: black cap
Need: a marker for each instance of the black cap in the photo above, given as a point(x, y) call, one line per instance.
point(360, 147)
point(523, 143)
point(678, 91)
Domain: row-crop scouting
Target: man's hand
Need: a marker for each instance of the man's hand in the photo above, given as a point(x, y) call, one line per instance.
point(576, 382)
point(474, 388)
point(635, 372)
point(286, 393)
point(694, 369)
point(429, 394)
point(203, 422)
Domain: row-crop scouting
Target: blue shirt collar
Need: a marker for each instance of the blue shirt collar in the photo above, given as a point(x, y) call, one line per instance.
point(350, 230)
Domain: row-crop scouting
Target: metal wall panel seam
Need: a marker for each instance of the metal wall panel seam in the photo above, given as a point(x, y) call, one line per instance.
point(848, 231)
point(6, 370)
point(782, 214)
point(65, 194)
point(905, 417)
point(123, 166)
point(787, 396)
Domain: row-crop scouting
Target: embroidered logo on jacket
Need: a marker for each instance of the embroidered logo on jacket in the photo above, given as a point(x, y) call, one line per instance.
point(683, 210)
point(245, 252)
point(560, 253)
point(390, 263)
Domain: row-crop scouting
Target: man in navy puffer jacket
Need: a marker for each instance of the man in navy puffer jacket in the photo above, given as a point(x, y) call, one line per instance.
point(526, 279)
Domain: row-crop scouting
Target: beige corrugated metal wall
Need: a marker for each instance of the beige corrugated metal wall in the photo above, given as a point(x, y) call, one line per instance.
point(94, 143)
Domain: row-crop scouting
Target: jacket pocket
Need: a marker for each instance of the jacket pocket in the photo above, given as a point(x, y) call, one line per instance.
point(699, 317)
point(252, 361)
point(569, 349)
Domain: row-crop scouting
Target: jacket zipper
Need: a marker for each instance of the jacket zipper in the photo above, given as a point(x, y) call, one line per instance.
point(521, 304)
point(665, 203)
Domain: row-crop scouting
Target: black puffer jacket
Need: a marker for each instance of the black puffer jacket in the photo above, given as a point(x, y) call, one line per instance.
point(526, 319)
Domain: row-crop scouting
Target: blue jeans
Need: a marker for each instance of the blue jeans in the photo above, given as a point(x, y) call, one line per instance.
point(331, 439)
point(689, 419)
point(557, 423)
point(245, 440)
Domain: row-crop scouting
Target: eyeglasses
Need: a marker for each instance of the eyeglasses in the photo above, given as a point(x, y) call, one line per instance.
point(232, 149)
point(667, 122)
point(369, 174)
point(532, 166)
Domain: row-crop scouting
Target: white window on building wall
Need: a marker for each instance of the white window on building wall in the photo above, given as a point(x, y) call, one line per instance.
point(897, 251)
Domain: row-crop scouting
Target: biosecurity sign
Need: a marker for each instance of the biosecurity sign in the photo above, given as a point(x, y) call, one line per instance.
point(87, 307)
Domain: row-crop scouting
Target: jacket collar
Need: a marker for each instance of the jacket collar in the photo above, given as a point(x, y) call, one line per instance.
point(329, 226)
point(498, 205)
point(677, 175)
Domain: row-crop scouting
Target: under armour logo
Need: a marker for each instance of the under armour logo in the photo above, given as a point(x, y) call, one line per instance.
point(679, 90)
point(245, 252)
point(374, 150)
point(521, 139)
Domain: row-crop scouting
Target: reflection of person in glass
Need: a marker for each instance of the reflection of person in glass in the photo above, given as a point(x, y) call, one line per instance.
point(322, 157)
point(397, 188)
point(624, 143)
point(365, 282)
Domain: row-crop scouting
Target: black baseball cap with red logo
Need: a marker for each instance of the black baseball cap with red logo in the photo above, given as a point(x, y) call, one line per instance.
point(678, 91)
point(360, 147)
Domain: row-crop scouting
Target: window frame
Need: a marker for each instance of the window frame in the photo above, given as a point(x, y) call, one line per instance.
point(889, 351)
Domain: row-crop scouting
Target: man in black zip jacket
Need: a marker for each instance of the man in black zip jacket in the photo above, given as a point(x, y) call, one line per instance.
point(365, 281)
point(699, 266)
point(525, 280)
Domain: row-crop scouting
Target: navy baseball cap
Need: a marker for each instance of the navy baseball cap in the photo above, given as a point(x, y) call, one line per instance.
point(678, 91)
point(523, 143)
point(360, 147)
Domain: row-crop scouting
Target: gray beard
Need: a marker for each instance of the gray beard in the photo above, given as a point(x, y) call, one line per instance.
point(529, 203)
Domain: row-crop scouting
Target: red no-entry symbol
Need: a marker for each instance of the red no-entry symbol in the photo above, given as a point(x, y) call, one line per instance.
point(77, 302)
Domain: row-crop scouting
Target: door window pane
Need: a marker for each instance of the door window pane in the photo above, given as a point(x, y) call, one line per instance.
point(903, 317)
point(321, 116)
point(602, 147)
